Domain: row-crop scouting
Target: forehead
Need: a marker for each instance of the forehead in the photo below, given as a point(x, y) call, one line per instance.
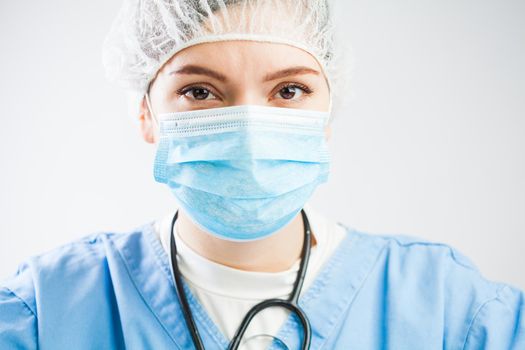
point(245, 55)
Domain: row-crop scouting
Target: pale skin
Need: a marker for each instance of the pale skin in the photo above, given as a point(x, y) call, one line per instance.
point(228, 73)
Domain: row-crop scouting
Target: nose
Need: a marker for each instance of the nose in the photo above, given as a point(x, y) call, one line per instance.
point(248, 98)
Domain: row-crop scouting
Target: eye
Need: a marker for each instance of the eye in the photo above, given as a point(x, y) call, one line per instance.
point(292, 91)
point(197, 93)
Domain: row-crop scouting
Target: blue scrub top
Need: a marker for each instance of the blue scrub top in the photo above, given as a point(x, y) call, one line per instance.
point(115, 291)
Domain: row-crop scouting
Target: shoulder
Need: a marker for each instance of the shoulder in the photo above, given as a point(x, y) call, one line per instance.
point(84, 259)
point(442, 266)
point(412, 247)
point(438, 279)
point(413, 257)
point(420, 255)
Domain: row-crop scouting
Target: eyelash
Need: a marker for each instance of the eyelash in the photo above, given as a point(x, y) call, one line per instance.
point(306, 90)
point(303, 87)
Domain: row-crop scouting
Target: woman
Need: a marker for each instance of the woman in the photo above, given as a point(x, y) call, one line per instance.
point(237, 96)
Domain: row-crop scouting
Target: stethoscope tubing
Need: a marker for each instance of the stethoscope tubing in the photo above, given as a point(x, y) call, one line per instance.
point(291, 303)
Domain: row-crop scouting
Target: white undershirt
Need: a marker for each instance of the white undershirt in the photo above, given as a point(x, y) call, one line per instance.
point(227, 293)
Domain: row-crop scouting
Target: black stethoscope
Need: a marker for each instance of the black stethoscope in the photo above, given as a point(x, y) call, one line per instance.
point(290, 304)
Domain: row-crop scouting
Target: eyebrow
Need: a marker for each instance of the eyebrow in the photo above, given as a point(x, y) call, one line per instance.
point(290, 71)
point(194, 69)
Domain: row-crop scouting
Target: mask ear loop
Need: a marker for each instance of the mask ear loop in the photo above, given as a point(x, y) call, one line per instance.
point(330, 105)
point(330, 94)
point(329, 119)
point(148, 103)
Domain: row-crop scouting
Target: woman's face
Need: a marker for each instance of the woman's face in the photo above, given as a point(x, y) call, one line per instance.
point(228, 73)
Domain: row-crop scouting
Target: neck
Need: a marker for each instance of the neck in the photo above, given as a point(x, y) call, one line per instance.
point(272, 254)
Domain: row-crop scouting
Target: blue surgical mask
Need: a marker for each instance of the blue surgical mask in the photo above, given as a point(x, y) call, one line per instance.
point(242, 172)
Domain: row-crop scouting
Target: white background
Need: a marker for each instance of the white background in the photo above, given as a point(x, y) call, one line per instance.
point(432, 143)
